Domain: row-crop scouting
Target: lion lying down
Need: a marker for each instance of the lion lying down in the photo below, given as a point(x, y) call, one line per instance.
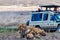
point(30, 32)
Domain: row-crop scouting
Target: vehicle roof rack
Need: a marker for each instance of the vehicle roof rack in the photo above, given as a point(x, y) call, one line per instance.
point(50, 6)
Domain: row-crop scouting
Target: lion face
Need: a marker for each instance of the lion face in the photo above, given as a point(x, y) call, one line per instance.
point(22, 27)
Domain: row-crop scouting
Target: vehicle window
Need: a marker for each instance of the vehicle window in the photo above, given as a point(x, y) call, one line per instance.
point(36, 17)
point(45, 17)
point(57, 17)
point(52, 18)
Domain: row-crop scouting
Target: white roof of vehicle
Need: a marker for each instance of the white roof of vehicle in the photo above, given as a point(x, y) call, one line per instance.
point(43, 12)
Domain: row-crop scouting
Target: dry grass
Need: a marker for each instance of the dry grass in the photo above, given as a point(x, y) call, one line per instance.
point(4, 30)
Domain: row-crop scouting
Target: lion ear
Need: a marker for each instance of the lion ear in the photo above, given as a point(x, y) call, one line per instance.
point(18, 25)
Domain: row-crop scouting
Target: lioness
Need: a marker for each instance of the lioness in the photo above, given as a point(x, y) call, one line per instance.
point(30, 32)
point(22, 28)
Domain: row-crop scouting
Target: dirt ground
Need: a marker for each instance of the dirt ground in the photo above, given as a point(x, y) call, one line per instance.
point(16, 36)
point(52, 36)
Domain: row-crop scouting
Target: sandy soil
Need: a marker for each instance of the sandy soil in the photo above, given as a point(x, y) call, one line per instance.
point(52, 36)
point(16, 36)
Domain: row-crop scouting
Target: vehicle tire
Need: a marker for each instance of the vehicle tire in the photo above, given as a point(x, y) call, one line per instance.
point(37, 26)
point(27, 23)
point(52, 30)
point(58, 28)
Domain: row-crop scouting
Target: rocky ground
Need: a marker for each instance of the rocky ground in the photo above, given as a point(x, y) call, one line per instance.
point(15, 36)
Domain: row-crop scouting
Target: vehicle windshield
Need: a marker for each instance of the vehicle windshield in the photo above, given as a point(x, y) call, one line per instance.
point(57, 17)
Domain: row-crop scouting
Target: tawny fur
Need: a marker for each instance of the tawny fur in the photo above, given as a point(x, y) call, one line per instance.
point(32, 31)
